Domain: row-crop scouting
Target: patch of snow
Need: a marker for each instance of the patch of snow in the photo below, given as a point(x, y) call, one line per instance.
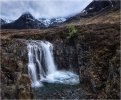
point(49, 22)
point(8, 20)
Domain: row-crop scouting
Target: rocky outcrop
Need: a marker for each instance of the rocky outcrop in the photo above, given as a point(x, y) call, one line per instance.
point(15, 83)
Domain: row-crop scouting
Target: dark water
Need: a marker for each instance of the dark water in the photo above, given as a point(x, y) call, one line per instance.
point(59, 91)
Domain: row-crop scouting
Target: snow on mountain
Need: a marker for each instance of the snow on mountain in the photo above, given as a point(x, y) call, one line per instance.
point(51, 22)
point(7, 20)
point(27, 20)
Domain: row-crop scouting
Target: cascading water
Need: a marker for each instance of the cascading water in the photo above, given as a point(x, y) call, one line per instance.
point(41, 66)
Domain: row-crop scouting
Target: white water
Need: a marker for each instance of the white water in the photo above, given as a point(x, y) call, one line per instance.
point(41, 66)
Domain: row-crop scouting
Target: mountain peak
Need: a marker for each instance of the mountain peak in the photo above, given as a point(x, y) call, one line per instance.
point(26, 15)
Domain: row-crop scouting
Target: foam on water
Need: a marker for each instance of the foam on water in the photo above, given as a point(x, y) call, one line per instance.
point(63, 77)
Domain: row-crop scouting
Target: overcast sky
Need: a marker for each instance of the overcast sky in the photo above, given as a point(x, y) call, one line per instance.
point(12, 9)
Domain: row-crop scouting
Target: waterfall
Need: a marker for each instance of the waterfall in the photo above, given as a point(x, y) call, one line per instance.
point(41, 66)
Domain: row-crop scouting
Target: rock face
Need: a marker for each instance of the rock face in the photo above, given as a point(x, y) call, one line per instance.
point(66, 55)
point(15, 83)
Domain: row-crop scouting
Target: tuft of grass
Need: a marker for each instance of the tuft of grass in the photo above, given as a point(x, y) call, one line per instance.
point(72, 30)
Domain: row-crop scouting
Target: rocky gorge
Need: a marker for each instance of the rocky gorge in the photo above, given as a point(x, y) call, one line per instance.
point(90, 47)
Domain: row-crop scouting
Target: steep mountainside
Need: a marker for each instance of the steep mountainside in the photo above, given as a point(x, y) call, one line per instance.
point(96, 7)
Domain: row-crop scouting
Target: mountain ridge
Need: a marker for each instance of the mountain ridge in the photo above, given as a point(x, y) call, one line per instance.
point(27, 21)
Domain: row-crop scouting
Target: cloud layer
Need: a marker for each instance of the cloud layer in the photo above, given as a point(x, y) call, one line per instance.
point(12, 9)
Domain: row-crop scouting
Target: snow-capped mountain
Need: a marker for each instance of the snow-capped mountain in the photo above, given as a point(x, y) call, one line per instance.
point(26, 21)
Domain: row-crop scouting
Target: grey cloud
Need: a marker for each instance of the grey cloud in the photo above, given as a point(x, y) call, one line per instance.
point(12, 9)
